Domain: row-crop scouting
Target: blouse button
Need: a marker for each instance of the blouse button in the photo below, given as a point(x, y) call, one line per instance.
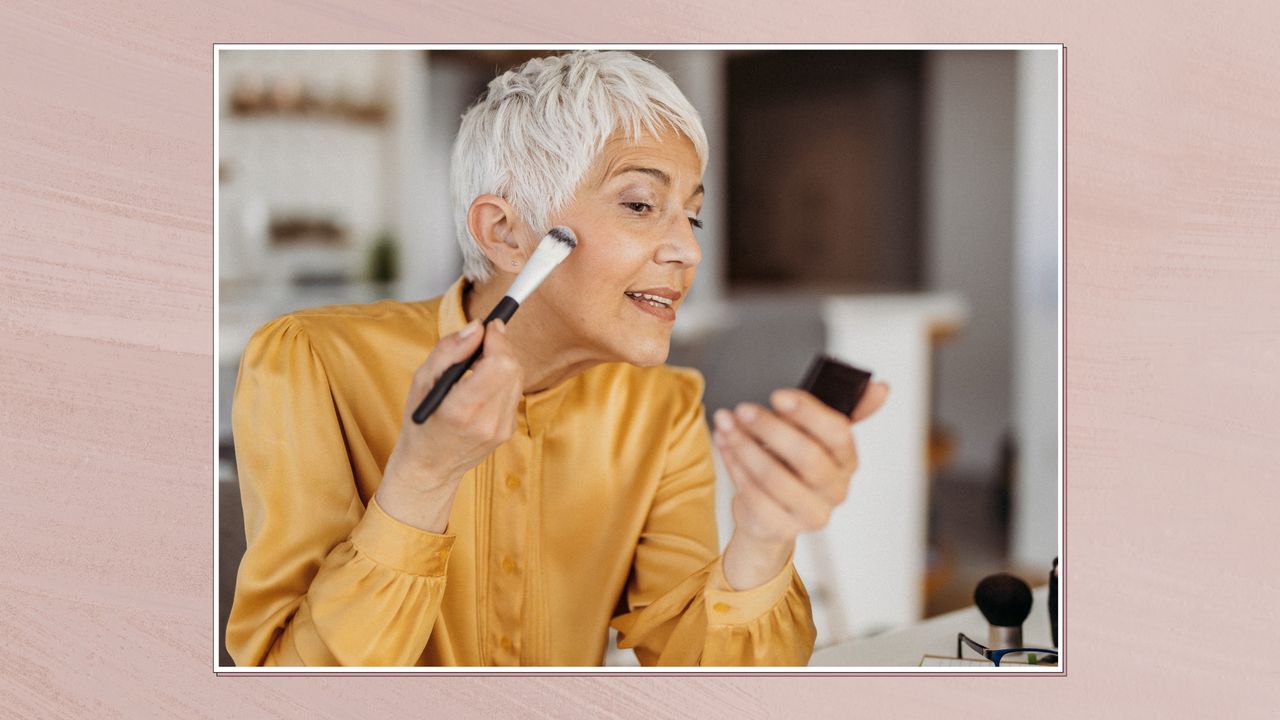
point(513, 482)
point(505, 643)
point(721, 607)
point(508, 564)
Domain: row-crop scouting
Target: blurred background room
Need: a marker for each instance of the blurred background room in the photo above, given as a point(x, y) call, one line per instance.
point(898, 209)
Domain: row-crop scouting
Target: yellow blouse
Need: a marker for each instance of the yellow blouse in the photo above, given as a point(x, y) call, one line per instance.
point(598, 511)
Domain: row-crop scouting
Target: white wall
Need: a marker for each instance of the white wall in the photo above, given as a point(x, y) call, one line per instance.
point(280, 165)
point(992, 190)
point(1035, 538)
point(430, 259)
point(968, 185)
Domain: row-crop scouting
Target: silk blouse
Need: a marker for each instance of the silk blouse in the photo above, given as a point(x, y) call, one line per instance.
point(599, 511)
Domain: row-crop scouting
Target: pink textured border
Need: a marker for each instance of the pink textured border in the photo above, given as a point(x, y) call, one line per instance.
point(106, 353)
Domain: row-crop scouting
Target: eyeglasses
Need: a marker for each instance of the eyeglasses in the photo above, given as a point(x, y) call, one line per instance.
point(1050, 657)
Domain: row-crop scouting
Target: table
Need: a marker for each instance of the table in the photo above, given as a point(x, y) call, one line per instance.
point(936, 636)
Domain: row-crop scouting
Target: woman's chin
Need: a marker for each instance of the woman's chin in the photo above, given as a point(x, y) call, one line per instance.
point(648, 354)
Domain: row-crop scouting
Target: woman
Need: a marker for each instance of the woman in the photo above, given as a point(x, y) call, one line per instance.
point(566, 485)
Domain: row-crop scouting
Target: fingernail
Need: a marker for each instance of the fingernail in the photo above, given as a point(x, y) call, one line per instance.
point(500, 326)
point(469, 329)
point(724, 420)
point(747, 412)
point(785, 401)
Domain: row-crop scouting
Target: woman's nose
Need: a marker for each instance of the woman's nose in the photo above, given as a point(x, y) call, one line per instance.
point(680, 245)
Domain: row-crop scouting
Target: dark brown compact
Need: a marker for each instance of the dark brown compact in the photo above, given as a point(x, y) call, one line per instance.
point(835, 383)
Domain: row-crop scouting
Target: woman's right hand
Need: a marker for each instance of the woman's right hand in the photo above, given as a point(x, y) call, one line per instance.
point(478, 415)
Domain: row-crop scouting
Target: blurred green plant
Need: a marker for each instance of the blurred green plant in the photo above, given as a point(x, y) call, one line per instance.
point(383, 259)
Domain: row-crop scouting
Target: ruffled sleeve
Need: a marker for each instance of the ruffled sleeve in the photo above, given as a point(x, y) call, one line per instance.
point(324, 581)
point(682, 612)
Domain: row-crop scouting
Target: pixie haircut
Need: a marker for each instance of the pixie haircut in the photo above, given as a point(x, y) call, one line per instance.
point(531, 137)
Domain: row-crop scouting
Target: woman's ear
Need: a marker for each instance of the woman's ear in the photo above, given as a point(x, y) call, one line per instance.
point(497, 227)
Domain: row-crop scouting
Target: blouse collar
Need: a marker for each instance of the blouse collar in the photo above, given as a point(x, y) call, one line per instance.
point(536, 409)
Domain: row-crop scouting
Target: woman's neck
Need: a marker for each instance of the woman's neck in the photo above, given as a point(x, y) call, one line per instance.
point(537, 341)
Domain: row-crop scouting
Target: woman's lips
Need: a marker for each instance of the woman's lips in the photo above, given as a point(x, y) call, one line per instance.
point(667, 313)
point(660, 293)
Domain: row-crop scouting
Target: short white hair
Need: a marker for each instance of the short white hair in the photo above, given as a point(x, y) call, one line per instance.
point(532, 136)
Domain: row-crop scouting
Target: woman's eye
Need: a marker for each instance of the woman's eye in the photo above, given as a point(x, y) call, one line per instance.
point(638, 207)
point(696, 223)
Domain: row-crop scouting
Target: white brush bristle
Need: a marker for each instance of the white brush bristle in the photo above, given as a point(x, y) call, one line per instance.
point(554, 247)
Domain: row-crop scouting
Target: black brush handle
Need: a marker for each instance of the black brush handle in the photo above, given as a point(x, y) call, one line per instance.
point(504, 310)
point(1053, 602)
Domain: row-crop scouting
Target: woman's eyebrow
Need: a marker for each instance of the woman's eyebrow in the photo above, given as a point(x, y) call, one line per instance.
point(657, 174)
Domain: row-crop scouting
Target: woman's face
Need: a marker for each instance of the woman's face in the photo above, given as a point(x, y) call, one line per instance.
point(634, 215)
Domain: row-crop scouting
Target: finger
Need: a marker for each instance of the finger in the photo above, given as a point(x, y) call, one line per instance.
point(451, 349)
point(818, 420)
point(739, 478)
point(804, 511)
point(496, 343)
point(771, 476)
point(800, 452)
point(497, 374)
point(497, 366)
point(872, 400)
point(458, 346)
point(764, 512)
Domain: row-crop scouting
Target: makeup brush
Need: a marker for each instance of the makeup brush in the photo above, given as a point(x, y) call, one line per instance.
point(1005, 601)
point(554, 247)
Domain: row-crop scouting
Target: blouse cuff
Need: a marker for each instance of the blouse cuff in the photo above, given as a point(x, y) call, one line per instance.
point(726, 606)
point(389, 542)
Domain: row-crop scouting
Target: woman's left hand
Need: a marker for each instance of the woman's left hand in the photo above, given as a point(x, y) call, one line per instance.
point(792, 466)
